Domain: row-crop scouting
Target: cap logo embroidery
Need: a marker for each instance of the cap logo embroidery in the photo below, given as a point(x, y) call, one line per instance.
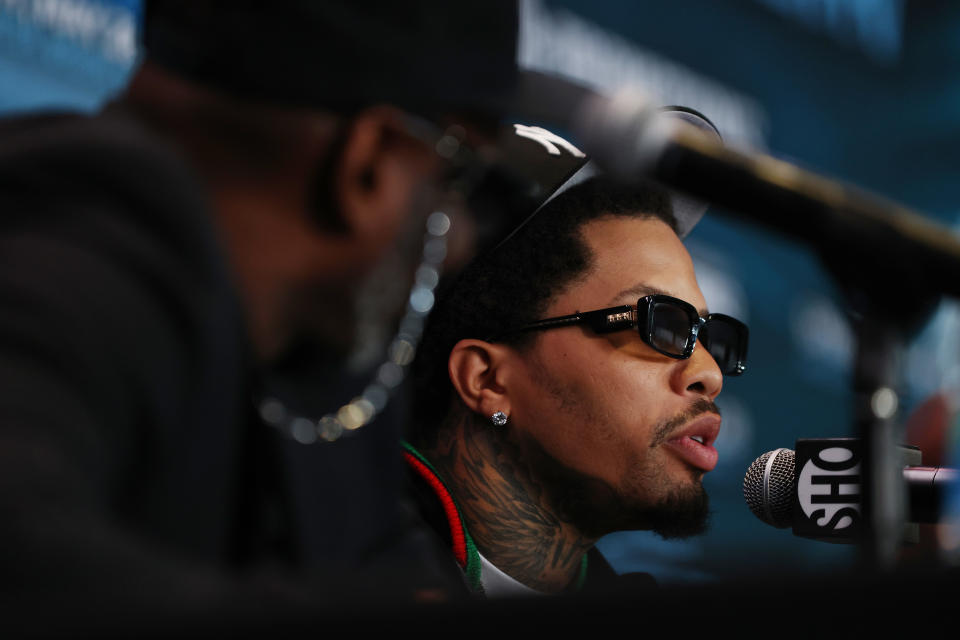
point(548, 140)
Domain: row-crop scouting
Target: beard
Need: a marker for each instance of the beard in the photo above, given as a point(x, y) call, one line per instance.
point(379, 302)
point(681, 514)
point(596, 508)
point(350, 323)
point(647, 497)
point(679, 511)
point(682, 511)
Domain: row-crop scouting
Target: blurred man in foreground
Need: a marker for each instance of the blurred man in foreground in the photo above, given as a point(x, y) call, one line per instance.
point(566, 390)
point(266, 158)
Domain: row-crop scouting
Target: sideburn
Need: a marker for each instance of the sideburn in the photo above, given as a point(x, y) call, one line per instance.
point(323, 203)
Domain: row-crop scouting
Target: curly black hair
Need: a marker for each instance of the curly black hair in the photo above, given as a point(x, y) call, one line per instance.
point(513, 284)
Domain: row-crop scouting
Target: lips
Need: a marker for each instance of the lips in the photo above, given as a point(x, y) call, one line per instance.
point(693, 443)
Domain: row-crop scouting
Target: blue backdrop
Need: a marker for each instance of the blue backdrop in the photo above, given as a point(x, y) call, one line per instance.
point(864, 90)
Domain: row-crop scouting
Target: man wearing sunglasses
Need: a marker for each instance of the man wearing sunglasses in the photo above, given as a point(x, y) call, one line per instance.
point(566, 390)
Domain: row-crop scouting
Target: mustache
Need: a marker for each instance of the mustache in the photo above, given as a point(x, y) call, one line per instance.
point(698, 408)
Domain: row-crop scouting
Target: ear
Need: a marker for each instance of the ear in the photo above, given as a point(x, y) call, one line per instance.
point(480, 373)
point(380, 170)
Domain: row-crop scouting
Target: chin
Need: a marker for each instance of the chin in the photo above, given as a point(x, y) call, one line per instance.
point(683, 513)
point(676, 512)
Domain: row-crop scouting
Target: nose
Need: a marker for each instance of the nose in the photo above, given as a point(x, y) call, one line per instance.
point(698, 375)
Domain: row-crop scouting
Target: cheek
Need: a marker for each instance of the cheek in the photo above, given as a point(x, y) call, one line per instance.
point(623, 389)
point(594, 414)
point(631, 407)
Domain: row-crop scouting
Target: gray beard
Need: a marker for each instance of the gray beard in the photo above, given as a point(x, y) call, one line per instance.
point(381, 301)
point(376, 313)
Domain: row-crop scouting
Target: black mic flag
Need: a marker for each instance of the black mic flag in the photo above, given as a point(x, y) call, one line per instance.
point(816, 489)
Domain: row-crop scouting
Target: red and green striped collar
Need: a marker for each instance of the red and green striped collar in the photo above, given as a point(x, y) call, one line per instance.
point(464, 549)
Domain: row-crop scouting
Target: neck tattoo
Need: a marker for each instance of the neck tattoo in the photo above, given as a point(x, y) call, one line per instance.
point(507, 510)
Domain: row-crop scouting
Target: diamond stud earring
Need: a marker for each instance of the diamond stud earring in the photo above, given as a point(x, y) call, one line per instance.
point(499, 419)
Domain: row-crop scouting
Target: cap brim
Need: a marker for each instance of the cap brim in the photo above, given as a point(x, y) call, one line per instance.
point(555, 101)
point(688, 211)
point(542, 164)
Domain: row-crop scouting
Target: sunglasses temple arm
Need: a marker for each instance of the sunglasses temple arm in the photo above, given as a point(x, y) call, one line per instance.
point(600, 321)
point(550, 323)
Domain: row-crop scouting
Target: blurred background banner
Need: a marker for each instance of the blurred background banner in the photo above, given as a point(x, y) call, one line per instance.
point(863, 90)
point(65, 53)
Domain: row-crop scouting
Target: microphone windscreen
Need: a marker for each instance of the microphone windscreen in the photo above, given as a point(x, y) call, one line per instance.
point(768, 487)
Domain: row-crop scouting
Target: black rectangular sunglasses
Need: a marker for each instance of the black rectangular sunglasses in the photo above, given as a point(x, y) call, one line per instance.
point(668, 325)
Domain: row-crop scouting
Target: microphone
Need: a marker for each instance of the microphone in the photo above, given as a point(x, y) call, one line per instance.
point(770, 489)
point(630, 140)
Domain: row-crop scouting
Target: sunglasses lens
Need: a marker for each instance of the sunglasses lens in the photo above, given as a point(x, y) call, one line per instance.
point(670, 328)
point(725, 340)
